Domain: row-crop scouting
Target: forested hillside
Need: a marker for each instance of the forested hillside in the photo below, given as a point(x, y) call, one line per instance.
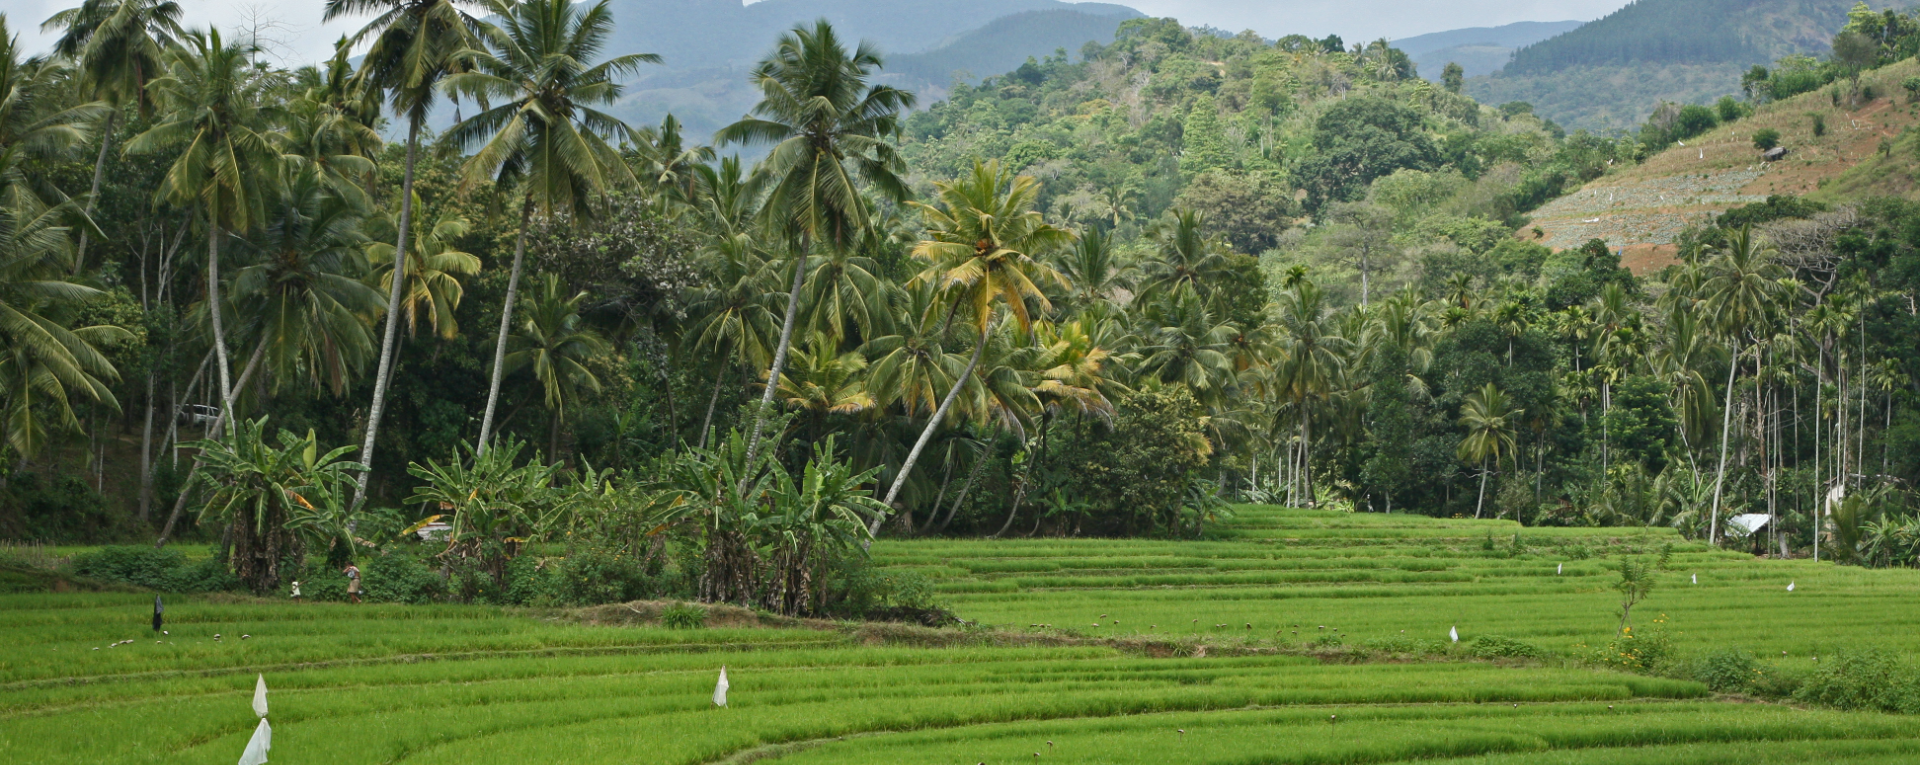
point(1479, 50)
point(1610, 73)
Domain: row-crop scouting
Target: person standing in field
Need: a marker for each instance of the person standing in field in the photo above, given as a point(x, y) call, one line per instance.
point(296, 592)
point(353, 582)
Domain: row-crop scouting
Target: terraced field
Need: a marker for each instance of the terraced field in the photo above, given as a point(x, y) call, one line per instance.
point(472, 685)
point(1375, 576)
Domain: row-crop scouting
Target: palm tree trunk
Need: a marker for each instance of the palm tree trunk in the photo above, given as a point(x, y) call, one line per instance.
point(384, 376)
point(906, 468)
point(186, 487)
point(219, 329)
point(713, 401)
point(1482, 502)
point(973, 476)
point(946, 480)
point(146, 457)
point(1726, 425)
point(506, 323)
point(779, 361)
point(93, 197)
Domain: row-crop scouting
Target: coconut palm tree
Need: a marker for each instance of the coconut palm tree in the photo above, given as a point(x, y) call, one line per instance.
point(432, 271)
point(822, 382)
point(45, 364)
point(1094, 269)
point(558, 344)
point(829, 129)
point(119, 47)
point(1490, 424)
point(1741, 290)
point(218, 109)
point(1183, 255)
point(303, 290)
point(1310, 362)
point(982, 247)
point(415, 44)
point(542, 132)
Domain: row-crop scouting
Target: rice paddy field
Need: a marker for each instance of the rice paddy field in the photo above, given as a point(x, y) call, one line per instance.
point(1180, 678)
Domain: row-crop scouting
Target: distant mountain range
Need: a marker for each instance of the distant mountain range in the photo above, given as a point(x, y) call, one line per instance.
point(1478, 50)
point(709, 45)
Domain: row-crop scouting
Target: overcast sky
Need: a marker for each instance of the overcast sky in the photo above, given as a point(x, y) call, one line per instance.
point(293, 31)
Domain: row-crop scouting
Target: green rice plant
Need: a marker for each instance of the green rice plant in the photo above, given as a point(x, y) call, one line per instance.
point(683, 616)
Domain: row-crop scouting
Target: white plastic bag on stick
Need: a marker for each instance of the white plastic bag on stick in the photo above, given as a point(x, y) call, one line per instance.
point(257, 746)
point(720, 689)
point(260, 696)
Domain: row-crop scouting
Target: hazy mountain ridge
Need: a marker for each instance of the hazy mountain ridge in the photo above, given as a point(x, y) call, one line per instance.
point(709, 46)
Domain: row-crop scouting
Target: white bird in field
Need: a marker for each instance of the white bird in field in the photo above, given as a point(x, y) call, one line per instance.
point(1454, 632)
point(720, 689)
point(1790, 587)
point(260, 696)
point(256, 752)
point(1683, 143)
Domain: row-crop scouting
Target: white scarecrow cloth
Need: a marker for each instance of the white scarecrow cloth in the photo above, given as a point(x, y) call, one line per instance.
point(720, 689)
point(1454, 632)
point(260, 696)
point(257, 747)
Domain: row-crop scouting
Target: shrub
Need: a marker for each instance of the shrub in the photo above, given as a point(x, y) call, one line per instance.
point(164, 569)
point(592, 574)
point(1766, 138)
point(683, 616)
point(1501, 647)
point(400, 578)
point(1863, 679)
point(1819, 125)
point(1727, 670)
point(1634, 651)
point(1403, 644)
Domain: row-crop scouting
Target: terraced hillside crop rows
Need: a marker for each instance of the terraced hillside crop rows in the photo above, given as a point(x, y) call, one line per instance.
point(1179, 678)
point(1375, 576)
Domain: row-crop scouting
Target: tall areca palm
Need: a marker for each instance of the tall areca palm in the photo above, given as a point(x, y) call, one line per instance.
point(982, 242)
point(1311, 360)
point(1490, 424)
point(558, 344)
point(1741, 289)
point(119, 47)
point(828, 126)
point(544, 133)
point(416, 43)
point(219, 110)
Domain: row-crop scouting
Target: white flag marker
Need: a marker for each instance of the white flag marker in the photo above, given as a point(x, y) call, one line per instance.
point(720, 689)
point(1790, 587)
point(260, 696)
point(1454, 632)
point(1696, 578)
point(257, 746)
point(1559, 568)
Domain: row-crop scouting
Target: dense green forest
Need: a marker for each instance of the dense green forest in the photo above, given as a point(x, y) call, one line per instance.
point(1103, 296)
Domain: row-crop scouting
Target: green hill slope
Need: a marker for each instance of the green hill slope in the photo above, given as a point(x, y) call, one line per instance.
point(1864, 150)
point(1609, 74)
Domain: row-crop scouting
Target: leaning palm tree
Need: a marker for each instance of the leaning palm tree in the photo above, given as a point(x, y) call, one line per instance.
point(557, 343)
point(542, 133)
point(829, 129)
point(1741, 291)
point(416, 43)
point(981, 247)
point(1490, 425)
point(119, 47)
point(218, 109)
